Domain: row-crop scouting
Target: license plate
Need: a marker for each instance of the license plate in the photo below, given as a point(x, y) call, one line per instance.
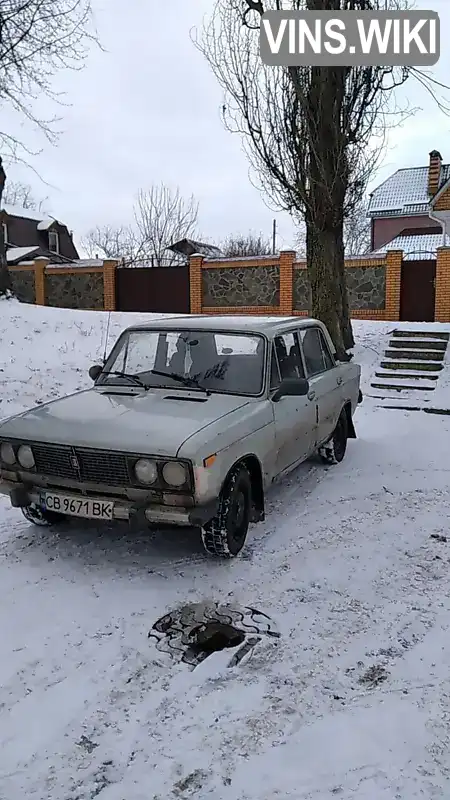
point(88, 508)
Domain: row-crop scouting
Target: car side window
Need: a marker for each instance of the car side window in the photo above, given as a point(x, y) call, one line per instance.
point(289, 355)
point(315, 350)
point(275, 379)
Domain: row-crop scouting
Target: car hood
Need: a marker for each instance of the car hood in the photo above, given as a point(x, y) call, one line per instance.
point(154, 422)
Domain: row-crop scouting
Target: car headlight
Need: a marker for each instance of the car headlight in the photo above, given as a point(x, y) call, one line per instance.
point(145, 471)
point(7, 454)
point(174, 473)
point(25, 457)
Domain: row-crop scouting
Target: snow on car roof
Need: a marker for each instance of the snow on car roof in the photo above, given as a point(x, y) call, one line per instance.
point(225, 322)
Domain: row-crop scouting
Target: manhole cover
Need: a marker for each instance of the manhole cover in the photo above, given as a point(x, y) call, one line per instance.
point(191, 633)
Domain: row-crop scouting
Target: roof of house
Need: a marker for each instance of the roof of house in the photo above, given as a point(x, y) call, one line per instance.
point(20, 253)
point(25, 213)
point(188, 247)
point(404, 193)
point(419, 247)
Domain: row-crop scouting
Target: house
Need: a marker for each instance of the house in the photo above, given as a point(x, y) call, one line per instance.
point(406, 210)
point(29, 234)
point(410, 212)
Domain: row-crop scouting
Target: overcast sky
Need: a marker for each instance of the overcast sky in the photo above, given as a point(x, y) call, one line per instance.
point(148, 110)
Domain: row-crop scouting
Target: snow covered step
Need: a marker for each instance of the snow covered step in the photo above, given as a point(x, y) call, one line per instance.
point(425, 334)
point(400, 385)
point(422, 355)
point(414, 375)
point(422, 366)
point(418, 344)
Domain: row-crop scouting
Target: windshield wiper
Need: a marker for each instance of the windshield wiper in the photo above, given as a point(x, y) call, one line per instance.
point(133, 378)
point(184, 379)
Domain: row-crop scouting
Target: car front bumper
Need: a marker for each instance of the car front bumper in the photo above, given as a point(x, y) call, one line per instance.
point(140, 513)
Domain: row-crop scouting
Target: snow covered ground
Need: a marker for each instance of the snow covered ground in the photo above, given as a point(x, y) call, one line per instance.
point(352, 563)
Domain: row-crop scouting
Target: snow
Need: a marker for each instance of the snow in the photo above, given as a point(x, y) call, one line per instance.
point(13, 253)
point(344, 564)
point(24, 213)
point(45, 224)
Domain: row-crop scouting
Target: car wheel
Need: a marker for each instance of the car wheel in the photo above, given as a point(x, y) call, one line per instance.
point(38, 516)
point(334, 450)
point(225, 534)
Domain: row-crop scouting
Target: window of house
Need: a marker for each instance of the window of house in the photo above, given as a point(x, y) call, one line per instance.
point(53, 242)
point(289, 356)
point(5, 232)
point(316, 351)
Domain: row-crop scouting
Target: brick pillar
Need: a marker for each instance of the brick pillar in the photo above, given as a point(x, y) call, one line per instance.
point(442, 302)
point(39, 279)
point(109, 284)
point(287, 258)
point(393, 262)
point(195, 283)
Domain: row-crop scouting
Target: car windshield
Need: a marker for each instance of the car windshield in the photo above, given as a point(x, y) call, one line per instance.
point(231, 363)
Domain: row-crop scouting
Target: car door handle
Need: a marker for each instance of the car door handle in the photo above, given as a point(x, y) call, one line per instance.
point(339, 381)
point(311, 395)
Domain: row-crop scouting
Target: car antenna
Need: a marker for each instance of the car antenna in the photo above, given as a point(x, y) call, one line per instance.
point(106, 337)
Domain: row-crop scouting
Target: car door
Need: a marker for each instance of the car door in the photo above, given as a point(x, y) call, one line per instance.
point(325, 380)
point(295, 417)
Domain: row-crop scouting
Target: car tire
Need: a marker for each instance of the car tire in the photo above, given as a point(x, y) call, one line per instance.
point(225, 535)
point(37, 516)
point(334, 450)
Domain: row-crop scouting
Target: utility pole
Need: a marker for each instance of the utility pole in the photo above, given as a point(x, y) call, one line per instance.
point(274, 237)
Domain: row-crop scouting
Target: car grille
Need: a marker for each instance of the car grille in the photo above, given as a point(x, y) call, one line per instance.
point(80, 464)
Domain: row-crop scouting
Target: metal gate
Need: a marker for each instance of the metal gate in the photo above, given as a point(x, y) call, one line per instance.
point(158, 290)
point(418, 289)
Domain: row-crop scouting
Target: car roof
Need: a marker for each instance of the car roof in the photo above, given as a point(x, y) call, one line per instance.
point(250, 323)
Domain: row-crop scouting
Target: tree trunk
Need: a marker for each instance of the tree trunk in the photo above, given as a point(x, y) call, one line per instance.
point(5, 277)
point(328, 177)
point(326, 299)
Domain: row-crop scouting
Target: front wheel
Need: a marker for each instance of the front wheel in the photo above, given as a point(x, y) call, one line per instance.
point(226, 533)
point(334, 450)
point(38, 516)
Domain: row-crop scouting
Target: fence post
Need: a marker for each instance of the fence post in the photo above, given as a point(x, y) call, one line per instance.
point(195, 283)
point(109, 284)
point(394, 260)
point(40, 264)
point(442, 300)
point(286, 261)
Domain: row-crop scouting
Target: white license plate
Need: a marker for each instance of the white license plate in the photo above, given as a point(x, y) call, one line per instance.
point(88, 508)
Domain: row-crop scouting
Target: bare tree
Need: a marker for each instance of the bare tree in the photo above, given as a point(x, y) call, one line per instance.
point(109, 242)
point(38, 38)
point(21, 195)
point(309, 134)
point(251, 244)
point(161, 218)
point(356, 233)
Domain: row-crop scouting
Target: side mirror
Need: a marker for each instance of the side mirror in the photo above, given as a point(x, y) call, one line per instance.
point(95, 371)
point(291, 387)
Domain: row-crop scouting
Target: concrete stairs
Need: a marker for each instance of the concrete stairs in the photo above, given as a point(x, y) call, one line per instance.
point(412, 364)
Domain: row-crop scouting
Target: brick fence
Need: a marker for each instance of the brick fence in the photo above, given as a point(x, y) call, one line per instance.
point(88, 284)
point(279, 285)
point(263, 285)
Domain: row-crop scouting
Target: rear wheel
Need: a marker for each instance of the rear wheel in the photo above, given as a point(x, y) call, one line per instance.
point(226, 533)
point(38, 516)
point(334, 450)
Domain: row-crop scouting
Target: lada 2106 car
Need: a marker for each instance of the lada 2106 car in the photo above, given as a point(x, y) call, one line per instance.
point(189, 421)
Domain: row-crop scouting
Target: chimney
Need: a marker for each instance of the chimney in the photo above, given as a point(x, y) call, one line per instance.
point(434, 172)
